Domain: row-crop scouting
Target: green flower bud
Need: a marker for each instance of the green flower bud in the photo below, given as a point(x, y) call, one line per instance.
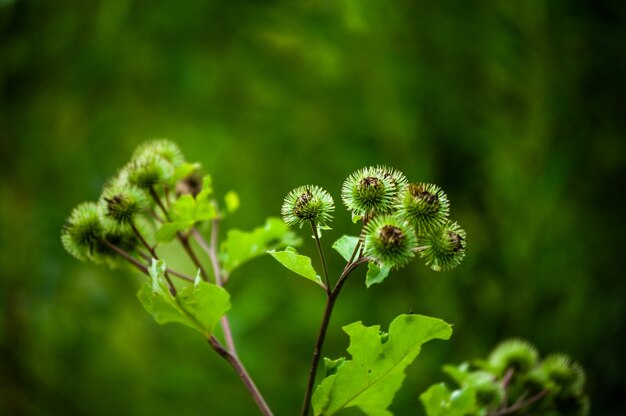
point(308, 203)
point(390, 241)
point(514, 353)
point(423, 205)
point(567, 376)
point(148, 171)
point(82, 233)
point(444, 248)
point(369, 191)
point(163, 148)
point(489, 391)
point(122, 205)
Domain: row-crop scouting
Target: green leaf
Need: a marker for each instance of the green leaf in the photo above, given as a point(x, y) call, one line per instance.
point(231, 199)
point(241, 246)
point(374, 375)
point(168, 230)
point(439, 401)
point(183, 209)
point(185, 170)
point(376, 273)
point(345, 246)
point(332, 366)
point(200, 306)
point(297, 263)
point(356, 218)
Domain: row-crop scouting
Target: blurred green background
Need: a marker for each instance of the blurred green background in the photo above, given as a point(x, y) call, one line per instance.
point(516, 108)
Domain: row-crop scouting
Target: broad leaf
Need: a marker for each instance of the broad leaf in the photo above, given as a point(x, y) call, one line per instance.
point(345, 246)
point(185, 170)
point(241, 246)
point(376, 273)
point(439, 401)
point(200, 306)
point(297, 263)
point(373, 376)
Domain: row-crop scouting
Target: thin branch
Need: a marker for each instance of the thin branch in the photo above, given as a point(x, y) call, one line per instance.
point(319, 343)
point(321, 254)
point(520, 404)
point(154, 256)
point(127, 256)
point(243, 374)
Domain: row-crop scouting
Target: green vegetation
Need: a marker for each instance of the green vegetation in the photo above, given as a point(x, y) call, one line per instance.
point(515, 108)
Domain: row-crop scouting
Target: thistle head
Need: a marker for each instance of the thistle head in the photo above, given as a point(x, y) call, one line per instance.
point(567, 376)
point(123, 204)
point(423, 205)
point(489, 391)
point(368, 191)
point(163, 148)
point(444, 248)
point(395, 177)
point(515, 354)
point(83, 232)
point(308, 203)
point(148, 171)
point(390, 241)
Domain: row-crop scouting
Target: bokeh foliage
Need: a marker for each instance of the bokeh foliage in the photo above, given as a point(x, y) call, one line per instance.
point(514, 107)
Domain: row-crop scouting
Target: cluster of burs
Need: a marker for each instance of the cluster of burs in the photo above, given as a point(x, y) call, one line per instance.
point(400, 219)
point(512, 380)
point(125, 213)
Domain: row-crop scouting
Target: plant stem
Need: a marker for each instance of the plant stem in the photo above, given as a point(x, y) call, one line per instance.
point(520, 404)
point(154, 256)
point(321, 253)
point(127, 256)
point(184, 241)
point(328, 310)
point(170, 271)
point(158, 201)
point(234, 361)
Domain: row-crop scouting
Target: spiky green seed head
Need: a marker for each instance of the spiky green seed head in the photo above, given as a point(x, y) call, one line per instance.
point(489, 391)
point(307, 204)
point(123, 204)
point(566, 375)
point(368, 191)
point(83, 231)
point(515, 354)
point(390, 241)
point(148, 171)
point(394, 176)
point(423, 205)
point(163, 148)
point(444, 248)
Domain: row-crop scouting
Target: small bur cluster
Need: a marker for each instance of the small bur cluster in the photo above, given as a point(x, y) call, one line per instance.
point(400, 218)
point(124, 216)
point(512, 380)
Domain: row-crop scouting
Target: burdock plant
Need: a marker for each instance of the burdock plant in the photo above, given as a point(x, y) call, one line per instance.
point(159, 198)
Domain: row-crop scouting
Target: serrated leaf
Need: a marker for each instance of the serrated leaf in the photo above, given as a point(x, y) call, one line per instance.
point(345, 246)
point(331, 366)
point(297, 263)
point(200, 306)
point(438, 400)
point(376, 371)
point(376, 273)
point(231, 199)
point(241, 246)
